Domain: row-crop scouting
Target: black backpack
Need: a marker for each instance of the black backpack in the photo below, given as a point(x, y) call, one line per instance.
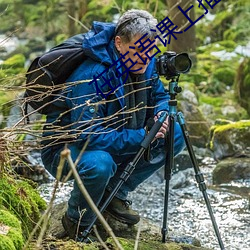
point(48, 73)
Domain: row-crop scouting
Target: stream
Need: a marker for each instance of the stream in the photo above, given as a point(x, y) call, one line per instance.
point(187, 212)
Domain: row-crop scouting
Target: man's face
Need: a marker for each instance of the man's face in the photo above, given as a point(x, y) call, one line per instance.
point(124, 47)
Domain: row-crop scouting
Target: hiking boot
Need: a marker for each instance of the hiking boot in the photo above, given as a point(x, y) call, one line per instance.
point(75, 231)
point(121, 211)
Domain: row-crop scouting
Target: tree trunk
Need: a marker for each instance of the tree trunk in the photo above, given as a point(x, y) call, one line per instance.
point(186, 41)
point(72, 13)
point(83, 7)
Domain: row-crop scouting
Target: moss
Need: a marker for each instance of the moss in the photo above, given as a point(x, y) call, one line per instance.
point(10, 220)
point(22, 200)
point(13, 71)
point(13, 239)
point(224, 75)
point(236, 125)
point(16, 237)
point(16, 61)
point(229, 45)
point(212, 100)
point(6, 243)
point(128, 244)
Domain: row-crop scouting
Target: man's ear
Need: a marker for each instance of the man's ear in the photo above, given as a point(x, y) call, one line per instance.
point(118, 42)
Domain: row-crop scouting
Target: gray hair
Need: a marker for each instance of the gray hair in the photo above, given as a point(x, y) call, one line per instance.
point(135, 22)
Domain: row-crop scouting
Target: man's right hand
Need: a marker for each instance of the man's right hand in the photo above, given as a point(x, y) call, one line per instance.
point(164, 128)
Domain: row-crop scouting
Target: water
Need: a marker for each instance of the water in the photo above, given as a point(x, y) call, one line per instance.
point(188, 215)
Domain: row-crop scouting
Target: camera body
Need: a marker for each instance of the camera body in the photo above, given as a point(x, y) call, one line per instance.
point(171, 65)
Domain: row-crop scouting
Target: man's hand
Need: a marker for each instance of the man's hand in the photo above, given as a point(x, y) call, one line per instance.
point(164, 128)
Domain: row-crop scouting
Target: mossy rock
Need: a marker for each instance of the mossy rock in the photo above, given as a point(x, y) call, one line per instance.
point(10, 231)
point(22, 200)
point(231, 169)
point(128, 244)
point(232, 139)
point(219, 107)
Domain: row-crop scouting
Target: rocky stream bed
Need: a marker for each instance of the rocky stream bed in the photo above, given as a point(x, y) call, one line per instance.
point(188, 215)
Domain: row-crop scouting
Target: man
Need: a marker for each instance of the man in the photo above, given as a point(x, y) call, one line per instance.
point(113, 127)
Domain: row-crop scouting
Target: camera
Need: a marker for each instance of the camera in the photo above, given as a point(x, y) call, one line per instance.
point(172, 65)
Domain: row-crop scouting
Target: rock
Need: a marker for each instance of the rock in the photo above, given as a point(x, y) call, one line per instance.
point(197, 125)
point(188, 95)
point(229, 140)
point(231, 169)
point(181, 179)
point(228, 110)
point(149, 238)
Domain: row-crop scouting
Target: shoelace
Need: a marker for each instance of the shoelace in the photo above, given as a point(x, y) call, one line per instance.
point(127, 203)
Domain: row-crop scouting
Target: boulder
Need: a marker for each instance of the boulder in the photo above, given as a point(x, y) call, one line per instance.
point(231, 169)
point(232, 139)
point(150, 235)
point(197, 125)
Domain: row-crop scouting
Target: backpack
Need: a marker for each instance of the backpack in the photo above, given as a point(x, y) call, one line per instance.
point(48, 73)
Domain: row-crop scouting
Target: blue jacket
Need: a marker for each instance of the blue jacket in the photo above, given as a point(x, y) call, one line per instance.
point(105, 132)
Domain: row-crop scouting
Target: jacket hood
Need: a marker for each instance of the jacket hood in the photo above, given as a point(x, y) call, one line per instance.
point(99, 44)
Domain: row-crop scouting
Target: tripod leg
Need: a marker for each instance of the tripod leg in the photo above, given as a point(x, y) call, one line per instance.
point(129, 168)
point(199, 177)
point(168, 173)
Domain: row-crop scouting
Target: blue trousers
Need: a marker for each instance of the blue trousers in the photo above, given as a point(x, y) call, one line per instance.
point(100, 170)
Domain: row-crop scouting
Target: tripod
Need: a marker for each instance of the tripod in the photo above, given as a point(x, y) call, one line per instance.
point(129, 169)
point(169, 163)
point(173, 90)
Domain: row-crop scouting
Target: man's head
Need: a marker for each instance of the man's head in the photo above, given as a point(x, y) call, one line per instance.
point(133, 25)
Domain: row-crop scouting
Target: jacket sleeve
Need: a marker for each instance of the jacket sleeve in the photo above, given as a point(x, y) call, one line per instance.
point(88, 119)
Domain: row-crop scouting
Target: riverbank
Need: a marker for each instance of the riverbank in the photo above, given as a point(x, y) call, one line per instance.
point(188, 215)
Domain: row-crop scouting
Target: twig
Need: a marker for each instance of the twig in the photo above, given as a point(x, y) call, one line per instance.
point(137, 236)
point(77, 21)
point(66, 154)
point(99, 238)
point(45, 217)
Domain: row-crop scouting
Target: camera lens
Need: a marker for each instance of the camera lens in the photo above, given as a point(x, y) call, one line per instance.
point(182, 63)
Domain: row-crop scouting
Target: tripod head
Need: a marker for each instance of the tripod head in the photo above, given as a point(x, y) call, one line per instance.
point(174, 89)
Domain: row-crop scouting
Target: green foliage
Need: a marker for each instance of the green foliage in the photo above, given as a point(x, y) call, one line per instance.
point(21, 199)
point(13, 66)
point(16, 61)
point(224, 75)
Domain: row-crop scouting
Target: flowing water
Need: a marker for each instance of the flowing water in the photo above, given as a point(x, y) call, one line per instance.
point(187, 212)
